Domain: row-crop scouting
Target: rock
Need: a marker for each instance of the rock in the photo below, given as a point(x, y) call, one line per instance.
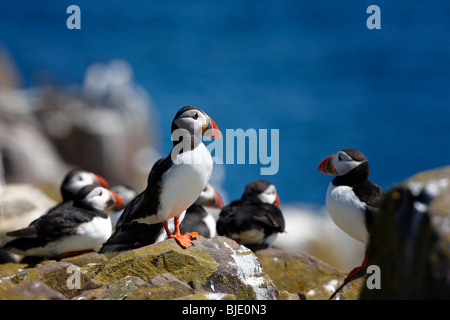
point(300, 273)
point(86, 259)
point(56, 275)
point(8, 269)
point(34, 290)
point(410, 239)
point(219, 264)
point(164, 287)
point(21, 204)
point(117, 290)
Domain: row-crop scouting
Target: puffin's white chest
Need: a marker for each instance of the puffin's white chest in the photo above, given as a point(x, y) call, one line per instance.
point(347, 211)
point(184, 181)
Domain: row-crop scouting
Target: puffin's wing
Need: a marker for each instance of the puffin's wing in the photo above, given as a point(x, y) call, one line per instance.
point(227, 217)
point(146, 203)
point(373, 196)
point(131, 236)
point(55, 224)
point(270, 217)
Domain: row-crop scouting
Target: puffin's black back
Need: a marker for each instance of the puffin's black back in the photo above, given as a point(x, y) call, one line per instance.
point(130, 234)
point(242, 215)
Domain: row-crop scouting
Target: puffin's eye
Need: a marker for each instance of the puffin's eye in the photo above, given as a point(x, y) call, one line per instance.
point(195, 117)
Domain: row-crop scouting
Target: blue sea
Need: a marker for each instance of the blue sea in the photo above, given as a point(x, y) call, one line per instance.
point(311, 69)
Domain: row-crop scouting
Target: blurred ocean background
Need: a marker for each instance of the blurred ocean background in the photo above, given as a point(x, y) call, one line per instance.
point(311, 69)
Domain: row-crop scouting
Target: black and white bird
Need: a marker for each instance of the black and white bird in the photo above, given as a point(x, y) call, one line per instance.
point(197, 216)
point(78, 178)
point(255, 220)
point(69, 230)
point(73, 182)
point(173, 185)
point(352, 200)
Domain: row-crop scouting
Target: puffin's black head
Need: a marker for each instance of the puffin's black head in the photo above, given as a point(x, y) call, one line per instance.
point(96, 197)
point(261, 190)
point(196, 122)
point(346, 161)
point(78, 178)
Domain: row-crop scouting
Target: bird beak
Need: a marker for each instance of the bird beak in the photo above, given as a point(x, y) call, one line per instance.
point(116, 199)
point(326, 166)
point(211, 130)
point(101, 181)
point(218, 202)
point(277, 201)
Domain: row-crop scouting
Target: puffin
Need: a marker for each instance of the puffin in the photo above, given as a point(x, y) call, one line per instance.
point(352, 201)
point(254, 220)
point(173, 185)
point(73, 181)
point(68, 230)
point(198, 218)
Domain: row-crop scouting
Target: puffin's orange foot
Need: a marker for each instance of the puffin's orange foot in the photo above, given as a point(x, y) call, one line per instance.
point(184, 240)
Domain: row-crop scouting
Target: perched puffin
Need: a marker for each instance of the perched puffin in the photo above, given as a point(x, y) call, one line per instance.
point(67, 231)
point(78, 178)
point(126, 194)
point(72, 183)
point(255, 220)
point(352, 200)
point(173, 185)
point(198, 218)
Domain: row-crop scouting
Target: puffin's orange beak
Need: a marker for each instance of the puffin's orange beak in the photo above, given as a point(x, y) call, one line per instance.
point(326, 166)
point(277, 201)
point(211, 130)
point(218, 202)
point(101, 181)
point(117, 200)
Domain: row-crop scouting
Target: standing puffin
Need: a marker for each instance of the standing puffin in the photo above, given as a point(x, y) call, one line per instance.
point(173, 185)
point(352, 200)
point(255, 220)
point(68, 230)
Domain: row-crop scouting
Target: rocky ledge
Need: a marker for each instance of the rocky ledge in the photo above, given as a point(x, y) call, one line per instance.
point(216, 268)
point(409, 245)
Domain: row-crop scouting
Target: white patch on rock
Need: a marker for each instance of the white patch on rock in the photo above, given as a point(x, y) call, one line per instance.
point(249, 271)
point(216, 296)
point(331, 286)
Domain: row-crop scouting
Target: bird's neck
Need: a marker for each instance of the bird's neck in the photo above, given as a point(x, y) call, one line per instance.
point(355, 176)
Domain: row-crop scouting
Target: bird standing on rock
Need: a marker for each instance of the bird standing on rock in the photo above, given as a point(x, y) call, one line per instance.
point(352, 200)
point(68, 230)
point(254, 220)
point(174, 183)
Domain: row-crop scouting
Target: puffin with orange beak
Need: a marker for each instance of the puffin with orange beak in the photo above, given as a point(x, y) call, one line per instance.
point(68, 229)
point(254, 220)
point(173, 185)
point(352, 200)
